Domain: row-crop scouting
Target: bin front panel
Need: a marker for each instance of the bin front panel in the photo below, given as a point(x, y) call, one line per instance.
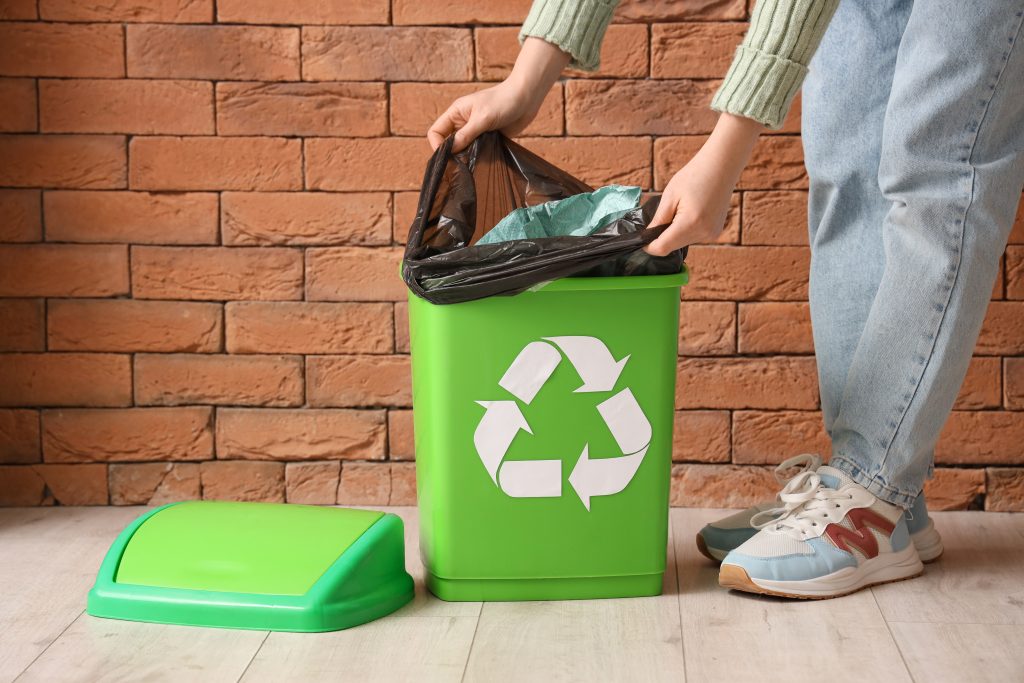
point(471, 526)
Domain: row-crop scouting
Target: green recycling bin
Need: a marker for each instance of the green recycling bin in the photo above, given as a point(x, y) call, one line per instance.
point(543, 426)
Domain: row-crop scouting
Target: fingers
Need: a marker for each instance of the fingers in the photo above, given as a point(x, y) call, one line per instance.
point(675, 237)
point(442, 127)
point(474, 127)
point(666, 210)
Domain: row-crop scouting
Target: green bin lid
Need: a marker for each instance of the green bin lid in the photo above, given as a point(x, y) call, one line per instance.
point(255, 565)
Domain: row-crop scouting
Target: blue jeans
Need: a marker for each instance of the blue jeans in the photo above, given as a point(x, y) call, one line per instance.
point(913, 131)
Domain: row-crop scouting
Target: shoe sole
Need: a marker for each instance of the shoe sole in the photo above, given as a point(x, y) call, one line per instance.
point(892, 568)
point(927, 541)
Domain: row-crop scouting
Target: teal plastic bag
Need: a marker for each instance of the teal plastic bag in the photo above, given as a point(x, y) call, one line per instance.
point(579, 215)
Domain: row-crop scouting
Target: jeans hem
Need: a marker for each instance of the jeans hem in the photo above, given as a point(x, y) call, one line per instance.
point(890, 494)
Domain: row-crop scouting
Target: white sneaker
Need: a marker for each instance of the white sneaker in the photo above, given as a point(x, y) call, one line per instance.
point(716, 539)
point(831, 537)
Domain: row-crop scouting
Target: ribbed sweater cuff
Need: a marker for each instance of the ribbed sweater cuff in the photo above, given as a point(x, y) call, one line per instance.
point(575, 26)
point(759, 86)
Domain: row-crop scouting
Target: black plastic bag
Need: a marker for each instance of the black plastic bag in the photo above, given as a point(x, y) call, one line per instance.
point(464, 195)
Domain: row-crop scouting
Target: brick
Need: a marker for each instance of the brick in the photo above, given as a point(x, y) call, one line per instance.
point(1002, 332)
point(363, 483)
point(126, 106)
point(154, 483)
point(1014, 383)
point(76, 484)
point(623, 53)
point(21, 486)
point(302, 12)
point(157, 11)
point(403, 484)
point(405, 205)
point(983, 437)
point(223, 53)
point(415, 107)
point(401, 441)
point(311, 483)
point(358, 381)
point(768, 438)
point(19, 112)
point(402, 327)
point(982, 387)
point(680, 10)
point(306, 218)
point(1015, 272)
point(19, 437)
point(301, 327)
point(598, 161)
point(417, 12)
point(217, 273)
point(203, 163)
point(126, 435)
point(775, 218)
point(64, 161)
point(626, 107)
point(386, 53)
point(61, 50)
point(131, 326)
point(1017, 232)
point(22, 325)
point(707, 328)
point(306, 434)
point(20, 216)
point(721, 486)
point(694, 50)
point(366, 164)
point(776, 164)
point(63, 270)
point(701, 436)
point(747, 273)
point(65, 379)
point(135, 217)
point(261, 482)
point(761, 383)
point(352, 109)
point(354, 274)
point(775, 327)
point(181, 379)
point(1004, 489)
point(18, 9)
point(954, 489)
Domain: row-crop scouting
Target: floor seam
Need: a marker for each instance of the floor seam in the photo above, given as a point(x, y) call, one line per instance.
point(253, 658)
point(472, 642)
point(48, 646)
point(892, 635)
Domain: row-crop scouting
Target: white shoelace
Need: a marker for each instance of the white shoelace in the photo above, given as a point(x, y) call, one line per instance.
point(806, 503)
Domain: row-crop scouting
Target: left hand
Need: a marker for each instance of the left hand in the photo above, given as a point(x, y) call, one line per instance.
point(696, 201)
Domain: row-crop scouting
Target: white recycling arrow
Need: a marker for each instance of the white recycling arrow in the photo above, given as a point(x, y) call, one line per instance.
point(593, 361)
point(494, 434)
point(590, 477)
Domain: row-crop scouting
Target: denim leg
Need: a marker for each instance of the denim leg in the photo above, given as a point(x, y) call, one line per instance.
point(952, 169)
point(844, 101)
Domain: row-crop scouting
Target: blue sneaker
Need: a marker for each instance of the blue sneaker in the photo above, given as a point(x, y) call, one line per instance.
point(717, 539)
point(831, 537)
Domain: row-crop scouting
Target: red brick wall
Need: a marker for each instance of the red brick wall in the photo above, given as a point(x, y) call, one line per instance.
point(203, 209)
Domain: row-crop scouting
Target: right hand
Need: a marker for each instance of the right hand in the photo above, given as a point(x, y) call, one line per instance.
point(503, 107)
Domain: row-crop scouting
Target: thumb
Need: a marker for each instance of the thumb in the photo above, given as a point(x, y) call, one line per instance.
point(475, 126)
point(666, 210)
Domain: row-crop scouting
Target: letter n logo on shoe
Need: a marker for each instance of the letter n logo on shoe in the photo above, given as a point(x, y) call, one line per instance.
point(861, 537)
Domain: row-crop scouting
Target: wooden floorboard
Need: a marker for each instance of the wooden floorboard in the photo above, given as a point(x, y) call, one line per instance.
point(963, 620)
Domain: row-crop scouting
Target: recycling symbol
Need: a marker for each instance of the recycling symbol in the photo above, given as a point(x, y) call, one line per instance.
point(503, 419)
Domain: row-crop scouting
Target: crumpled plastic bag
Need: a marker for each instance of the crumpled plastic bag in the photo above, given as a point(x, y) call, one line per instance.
point(465, 195)
point(579, 215)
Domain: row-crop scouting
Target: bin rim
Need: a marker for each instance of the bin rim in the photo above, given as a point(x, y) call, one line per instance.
point(569, 284)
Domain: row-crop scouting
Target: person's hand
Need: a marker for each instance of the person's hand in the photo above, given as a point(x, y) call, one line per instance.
point(508, 106)
point(695, 202)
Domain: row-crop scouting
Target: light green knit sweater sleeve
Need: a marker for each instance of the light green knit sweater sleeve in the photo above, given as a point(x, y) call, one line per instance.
point(771, 62)
point(575, 26)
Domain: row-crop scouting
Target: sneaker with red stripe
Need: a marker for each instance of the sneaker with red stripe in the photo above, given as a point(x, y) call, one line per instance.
point(830, 537)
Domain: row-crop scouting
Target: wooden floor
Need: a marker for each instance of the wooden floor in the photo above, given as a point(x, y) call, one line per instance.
point(962, 621)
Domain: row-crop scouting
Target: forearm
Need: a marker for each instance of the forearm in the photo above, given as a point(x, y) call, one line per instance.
point(731, 143)
point(537, 67)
